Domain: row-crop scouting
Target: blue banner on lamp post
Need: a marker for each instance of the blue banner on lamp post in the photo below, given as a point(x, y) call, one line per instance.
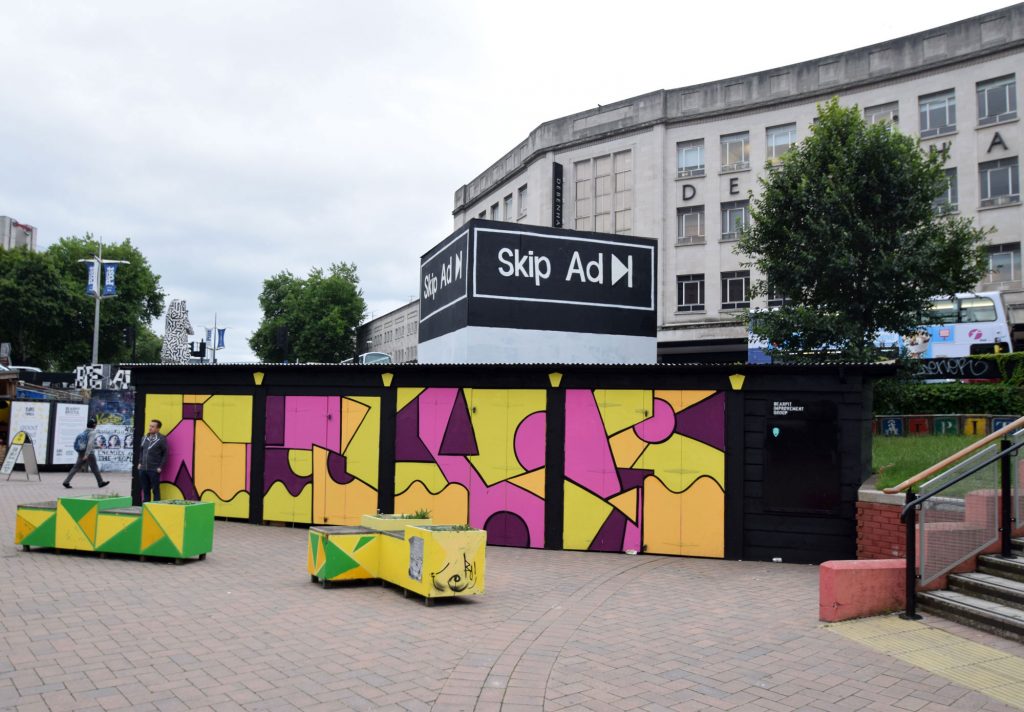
point(220, 338)
point(91, 279)
point(109, 279)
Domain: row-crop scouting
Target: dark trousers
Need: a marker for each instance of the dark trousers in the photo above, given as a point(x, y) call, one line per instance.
point(149, 481)
point(84, 461)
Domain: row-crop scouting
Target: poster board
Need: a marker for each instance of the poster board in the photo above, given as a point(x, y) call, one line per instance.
point(13, 453)
point(33, 418)
point(114, 412)
point(69, 421)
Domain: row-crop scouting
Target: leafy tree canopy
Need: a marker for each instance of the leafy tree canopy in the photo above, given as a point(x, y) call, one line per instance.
point(845, 228)
point(311, 319)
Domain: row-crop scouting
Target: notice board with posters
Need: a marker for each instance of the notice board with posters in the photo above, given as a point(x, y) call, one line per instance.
point(68, 421)
point(114, 412)
point(33, 418)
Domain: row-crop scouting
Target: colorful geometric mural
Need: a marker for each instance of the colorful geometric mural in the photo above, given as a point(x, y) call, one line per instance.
point(321, 462)
point(474, 456)
point(209, 449)
point(645, 471)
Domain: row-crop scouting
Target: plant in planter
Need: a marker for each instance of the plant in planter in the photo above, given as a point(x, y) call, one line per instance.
point(394, 522)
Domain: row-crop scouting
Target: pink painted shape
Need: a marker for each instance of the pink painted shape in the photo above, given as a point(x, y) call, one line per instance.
point(530, 440)
point(631, 540)
point(866, 587)
point(180, 449)
point(306, 422)
point(660, 426)
point(435, 409)
point(588, 457)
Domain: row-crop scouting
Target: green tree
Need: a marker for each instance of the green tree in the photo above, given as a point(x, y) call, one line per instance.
point(846, 230)
point(36, 307)
point(311, 319)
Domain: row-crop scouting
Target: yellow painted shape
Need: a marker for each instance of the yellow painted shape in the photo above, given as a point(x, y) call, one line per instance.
point(454, 563)
point(88, 524)
point(498, 413)
point(621, 409)
point(680, 460)
point(164, 407)
point(194, 399)
point(69, 535)
point(736, 381)
point(555, 379)
point(110, 525)
point(171, 519)
point(406, 396)
point(450, 506)
point(532, 482)
point(426, 472)
point(386, 379)
point(301, 462)
point(690, 523)
point(394, 558)
point(626, 503)
point(681, 400)
point(280, 506)
point(362, 456)
point(170, 491)
point(235, 508)
point(218, 467)
point(23, 526)
point(314, 557)
point(230, 417)
point(257, 377)
point(352, 414)
point(584, 515)
point(626, 447)
point(334, 503)
point(19, 438)
point(151, 531)
point(368, 555)
point(975, 426)
point(976, 666)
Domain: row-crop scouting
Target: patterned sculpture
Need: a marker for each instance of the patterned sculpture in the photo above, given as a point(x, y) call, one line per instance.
point(177, 329)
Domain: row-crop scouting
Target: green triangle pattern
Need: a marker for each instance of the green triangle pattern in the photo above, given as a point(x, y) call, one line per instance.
point(363, 541)
point(77, 508)
point(126, 541)
point(338, 562)
point(163, 547)
point(43, 535)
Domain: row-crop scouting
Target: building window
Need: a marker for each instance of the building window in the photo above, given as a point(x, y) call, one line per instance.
point(735, 219)
point(736, 290)
point(604, 193)
point(997, 100)
point(690, 225)
point(775, 297)
point(1000, 182)
point(522, 201)
point(736, 152)
point(1004, 263)
point(947, 201)
point(494, 212)
point(780, 140)
point(507, 208)
point(690, 292)
point(690, 157)
point(883, 113)
point(938, 113)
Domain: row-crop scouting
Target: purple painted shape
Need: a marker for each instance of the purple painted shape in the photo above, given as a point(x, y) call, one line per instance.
point(658, 428)
point(337, 468)
point(611, 535)
point(277, 469)
point(704, 421)
point(588, 457)
point(184, 482)
point(530, 439)
point(180, 449)
point(630, 478)
point(275, 421)
point(507, 529)
point(408, 446)
point(458, 435)
point(191, 411)
point(248, 467)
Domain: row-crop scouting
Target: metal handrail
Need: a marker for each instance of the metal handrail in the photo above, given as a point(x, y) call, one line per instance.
point(955, 457)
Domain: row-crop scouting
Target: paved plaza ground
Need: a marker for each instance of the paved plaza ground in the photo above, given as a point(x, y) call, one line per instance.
point(246, 630)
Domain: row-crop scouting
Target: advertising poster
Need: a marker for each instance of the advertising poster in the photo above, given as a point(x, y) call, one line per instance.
point(34, 419)
point(70, 421)
point(114, 412)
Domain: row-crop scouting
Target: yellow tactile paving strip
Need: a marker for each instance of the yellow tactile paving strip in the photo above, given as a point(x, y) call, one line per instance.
point(972, 665)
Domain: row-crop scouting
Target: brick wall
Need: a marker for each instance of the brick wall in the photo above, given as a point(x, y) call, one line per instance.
point(880, 535)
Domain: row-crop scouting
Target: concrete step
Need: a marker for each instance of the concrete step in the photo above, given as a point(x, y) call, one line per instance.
point(996, 589)
point(998, 566)
point(995, 618)
point(1018, 546)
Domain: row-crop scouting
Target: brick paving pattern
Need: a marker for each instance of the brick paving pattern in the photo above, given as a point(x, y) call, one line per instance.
point(246, 630)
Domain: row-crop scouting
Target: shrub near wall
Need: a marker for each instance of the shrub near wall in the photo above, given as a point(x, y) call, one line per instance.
point(903, 395)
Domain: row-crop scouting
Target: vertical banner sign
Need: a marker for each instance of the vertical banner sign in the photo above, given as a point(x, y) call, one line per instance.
point(209, 336)
point(109, 278)
point(220, 338)
point(556, 194)
point(92, 277)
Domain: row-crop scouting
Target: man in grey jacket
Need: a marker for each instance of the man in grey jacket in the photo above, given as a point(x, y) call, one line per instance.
point(87, 457)
point(152, 456)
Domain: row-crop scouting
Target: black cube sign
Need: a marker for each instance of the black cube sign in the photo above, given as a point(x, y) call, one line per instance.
point(443, 276)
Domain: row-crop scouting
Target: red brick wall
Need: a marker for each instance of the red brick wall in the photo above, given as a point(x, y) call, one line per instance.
point(880, 535)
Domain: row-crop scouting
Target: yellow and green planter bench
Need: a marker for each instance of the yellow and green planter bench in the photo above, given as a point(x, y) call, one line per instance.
point(433, 561)
point(171, 529)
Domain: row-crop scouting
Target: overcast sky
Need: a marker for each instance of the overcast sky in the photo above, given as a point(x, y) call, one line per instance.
point(232, 140)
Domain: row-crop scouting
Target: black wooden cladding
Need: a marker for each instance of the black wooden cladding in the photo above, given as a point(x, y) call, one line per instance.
point(752, 530)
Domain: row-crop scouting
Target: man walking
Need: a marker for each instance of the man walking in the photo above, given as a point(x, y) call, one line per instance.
point(152, 456)
point(86, 456)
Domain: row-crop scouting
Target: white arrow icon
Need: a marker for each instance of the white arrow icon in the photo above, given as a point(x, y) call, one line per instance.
point(620, 270)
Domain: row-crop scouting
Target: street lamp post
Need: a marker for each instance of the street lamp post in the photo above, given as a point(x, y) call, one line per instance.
point(93, 289)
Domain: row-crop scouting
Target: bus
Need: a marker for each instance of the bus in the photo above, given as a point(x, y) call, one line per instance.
point(968, 323)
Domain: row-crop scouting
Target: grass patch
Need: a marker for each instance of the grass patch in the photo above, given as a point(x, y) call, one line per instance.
point(895, 459)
